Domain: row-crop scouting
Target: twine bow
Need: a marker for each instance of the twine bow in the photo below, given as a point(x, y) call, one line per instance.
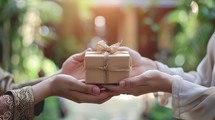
point(103, 47)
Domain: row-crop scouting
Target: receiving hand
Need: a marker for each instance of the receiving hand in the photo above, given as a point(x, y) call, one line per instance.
point(149, 81)
point(74, 65)
point(69, 87)
point(139, 64)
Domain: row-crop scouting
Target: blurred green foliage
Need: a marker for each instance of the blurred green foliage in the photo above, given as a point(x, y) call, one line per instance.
point(50, 111)
point(160, 113)
point(23, 31)
point(21, 36)
point(22, 54)
point(194, 23)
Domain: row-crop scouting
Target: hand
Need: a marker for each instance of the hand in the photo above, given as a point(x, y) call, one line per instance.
point(69, 87)
point(74, 65)
point(139, 64)
point(149, 81)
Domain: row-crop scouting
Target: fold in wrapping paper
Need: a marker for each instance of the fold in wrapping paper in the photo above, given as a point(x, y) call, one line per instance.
point(104, 68)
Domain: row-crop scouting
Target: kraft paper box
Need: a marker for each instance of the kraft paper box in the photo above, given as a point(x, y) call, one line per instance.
point(101, 68)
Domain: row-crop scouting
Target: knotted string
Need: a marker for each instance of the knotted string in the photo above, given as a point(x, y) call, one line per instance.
point(102, 47)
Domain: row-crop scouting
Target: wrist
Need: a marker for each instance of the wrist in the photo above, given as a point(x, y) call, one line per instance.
point(167, 83)
point(150, 63)
point(155, 65)
point(42, 90)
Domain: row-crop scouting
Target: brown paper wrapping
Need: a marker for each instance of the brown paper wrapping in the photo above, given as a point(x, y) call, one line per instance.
point(105, 68)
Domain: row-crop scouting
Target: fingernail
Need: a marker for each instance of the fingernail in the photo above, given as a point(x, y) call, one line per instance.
point(122, 84)
point(89, 49)
point(96, 90)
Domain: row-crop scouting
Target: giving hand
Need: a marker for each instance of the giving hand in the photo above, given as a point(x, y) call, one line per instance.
point(69, 87)
point(74, 65)
point(149, 81)
point(139, 64)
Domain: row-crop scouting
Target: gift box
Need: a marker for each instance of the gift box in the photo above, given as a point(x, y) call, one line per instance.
point(105, 68)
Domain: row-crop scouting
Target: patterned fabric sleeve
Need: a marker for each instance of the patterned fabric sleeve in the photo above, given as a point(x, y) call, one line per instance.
point(6, 107)
point(17, 105)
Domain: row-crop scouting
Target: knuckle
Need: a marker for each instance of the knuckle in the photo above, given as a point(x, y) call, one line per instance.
point(129, 83)
point(133, 83)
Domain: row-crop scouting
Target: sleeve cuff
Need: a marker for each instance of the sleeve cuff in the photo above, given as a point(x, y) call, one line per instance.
point(23, 103)
point(176, 85)
point(185, 97)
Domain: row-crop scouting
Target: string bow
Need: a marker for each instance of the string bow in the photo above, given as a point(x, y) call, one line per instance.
point(103, 47)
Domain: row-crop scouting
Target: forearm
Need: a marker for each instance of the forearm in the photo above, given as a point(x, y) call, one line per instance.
point(35, 81)
point(42, 90)
point(192, 76)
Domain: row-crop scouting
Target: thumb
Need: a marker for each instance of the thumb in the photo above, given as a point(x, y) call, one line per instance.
point(80, 56)
point(131, 82)
point(152, 74)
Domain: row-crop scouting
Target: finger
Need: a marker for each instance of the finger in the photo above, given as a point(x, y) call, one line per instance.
point(80, 56)
point(112, 88)
point(135, 56)
point(131, 51)
point(77, 85)
point(132, 81)
point(82, 80)
point(87, 98)
point(116, 89)
point(122, 83)
point(89, 49)
point(95, 89)
point(152, 74)
point(124, 48)
point(106, 96)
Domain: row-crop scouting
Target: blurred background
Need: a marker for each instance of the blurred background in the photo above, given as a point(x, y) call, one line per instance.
point(36, 36)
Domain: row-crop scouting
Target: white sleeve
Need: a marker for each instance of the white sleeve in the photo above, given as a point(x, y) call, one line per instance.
point(192, 95)
point(192, 101)
point(204, 70)
point(203, 75)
